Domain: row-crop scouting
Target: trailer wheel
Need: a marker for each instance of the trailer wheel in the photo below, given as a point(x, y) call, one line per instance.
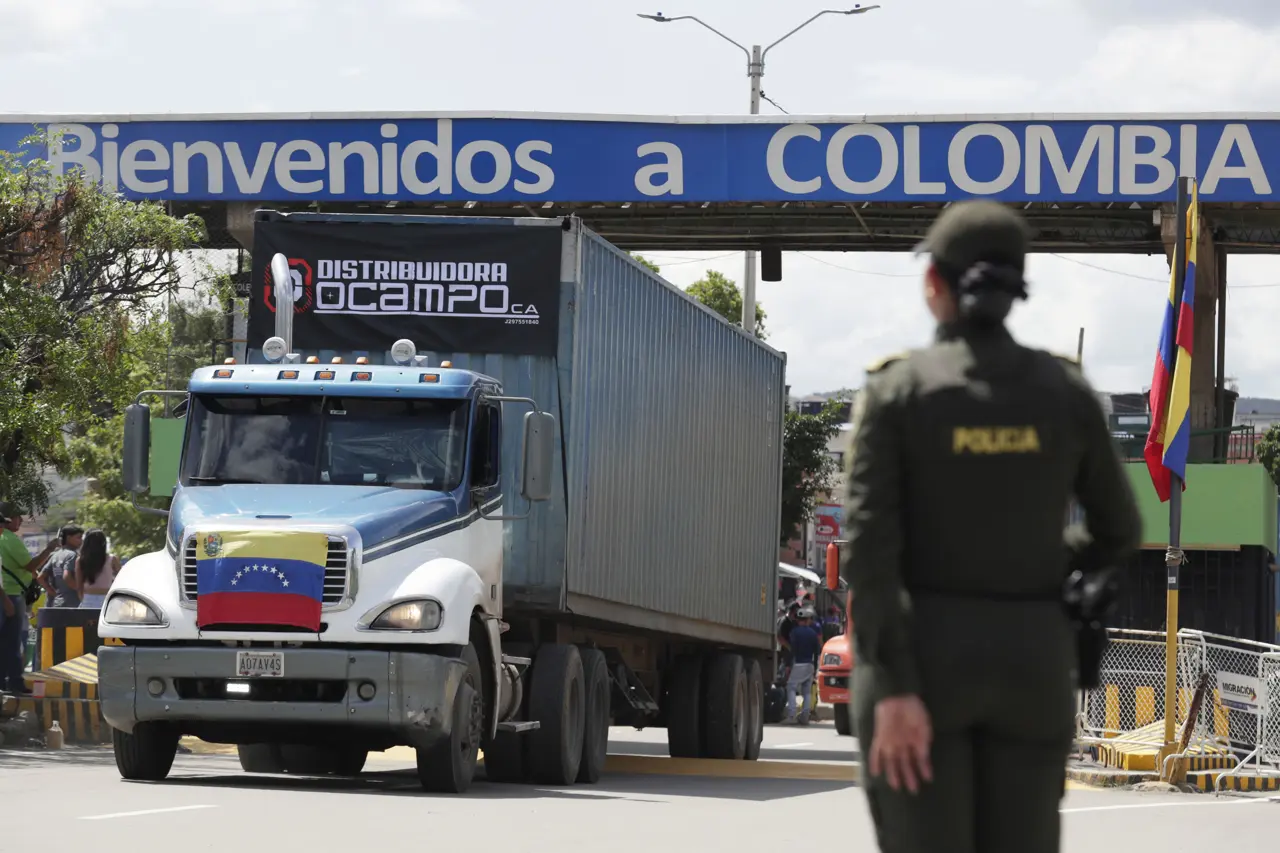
point(595, 731)
point(449, 765)
point(684, 708)
point(557, 701)
point(260, 757)
point(727, 708)
point(755, 706)
point(844, 720)
point(146, 754)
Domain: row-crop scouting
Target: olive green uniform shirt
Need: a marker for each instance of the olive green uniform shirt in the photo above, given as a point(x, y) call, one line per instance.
point(964, 458)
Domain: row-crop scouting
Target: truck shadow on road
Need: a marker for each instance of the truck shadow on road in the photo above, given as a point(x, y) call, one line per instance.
point(633, 788)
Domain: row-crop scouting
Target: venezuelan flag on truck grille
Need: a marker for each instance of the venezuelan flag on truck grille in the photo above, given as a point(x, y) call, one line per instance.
point(1170, 436)
point(260, 578)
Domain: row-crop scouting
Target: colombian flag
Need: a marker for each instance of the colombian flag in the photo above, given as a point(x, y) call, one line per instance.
point(266, 577)
point(1170, 435)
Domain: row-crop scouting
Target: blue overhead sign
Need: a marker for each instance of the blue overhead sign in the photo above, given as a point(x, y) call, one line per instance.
point(536, 158)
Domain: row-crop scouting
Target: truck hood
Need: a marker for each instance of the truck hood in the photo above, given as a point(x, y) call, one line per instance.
point(378, 514)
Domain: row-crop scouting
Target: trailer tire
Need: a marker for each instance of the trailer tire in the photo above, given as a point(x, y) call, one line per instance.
point(755, 715)
point(449, 765)
point(727, 708)
point(844, 720)
point(260, 757)
point(557, 702)
point(684, 708)
point(595, 729)
point(147, 753)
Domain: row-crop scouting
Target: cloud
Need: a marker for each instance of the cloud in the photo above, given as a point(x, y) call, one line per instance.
point(1147, 11)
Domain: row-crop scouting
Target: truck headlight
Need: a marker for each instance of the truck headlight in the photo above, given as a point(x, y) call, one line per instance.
point(418, 615)
point(831, 660)
point(127, 610)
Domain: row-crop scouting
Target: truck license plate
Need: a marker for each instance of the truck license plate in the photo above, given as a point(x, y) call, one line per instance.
point(260, 664)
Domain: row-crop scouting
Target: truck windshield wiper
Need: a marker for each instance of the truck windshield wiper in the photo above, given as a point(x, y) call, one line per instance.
point(223, 481)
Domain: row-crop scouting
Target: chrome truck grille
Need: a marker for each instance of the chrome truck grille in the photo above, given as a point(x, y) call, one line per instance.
point(337, 571)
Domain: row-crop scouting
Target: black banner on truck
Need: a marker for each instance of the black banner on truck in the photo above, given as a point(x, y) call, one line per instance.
point(448, 288)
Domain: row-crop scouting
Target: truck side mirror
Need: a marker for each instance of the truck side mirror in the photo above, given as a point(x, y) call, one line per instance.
point(539, 451)
point(833, 567)
point(137, 448)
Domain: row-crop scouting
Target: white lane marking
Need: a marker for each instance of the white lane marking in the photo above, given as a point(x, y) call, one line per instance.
point(145, 812)
point(1169, 805)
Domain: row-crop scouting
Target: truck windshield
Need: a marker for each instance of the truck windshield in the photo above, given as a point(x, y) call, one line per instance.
point(349, 441)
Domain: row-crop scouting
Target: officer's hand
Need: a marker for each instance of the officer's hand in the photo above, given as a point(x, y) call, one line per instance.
point(900, 747)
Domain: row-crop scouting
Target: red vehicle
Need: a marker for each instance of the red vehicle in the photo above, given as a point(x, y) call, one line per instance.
point(835, 667)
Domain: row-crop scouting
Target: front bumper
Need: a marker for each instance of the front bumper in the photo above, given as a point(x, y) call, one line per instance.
point(833, 687)
point(412, 700)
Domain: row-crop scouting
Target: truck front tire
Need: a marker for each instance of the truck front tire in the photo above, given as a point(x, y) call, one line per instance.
point(449, 765)
point(146, 754)
point(558, 703)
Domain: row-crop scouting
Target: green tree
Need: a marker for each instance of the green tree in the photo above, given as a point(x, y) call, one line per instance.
point(808, 470)
point(1268, 451)
point(722, 296)
point(165, 348)
point(645, 262)
point(76, 264)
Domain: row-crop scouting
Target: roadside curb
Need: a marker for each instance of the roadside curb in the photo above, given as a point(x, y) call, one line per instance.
point(1204, 781)
point(1106, 778)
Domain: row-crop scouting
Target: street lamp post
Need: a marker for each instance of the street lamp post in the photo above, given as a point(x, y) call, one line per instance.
point(755, 73)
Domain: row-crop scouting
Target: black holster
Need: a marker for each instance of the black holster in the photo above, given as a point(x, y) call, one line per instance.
point(1091, 643)
point(1089, 599)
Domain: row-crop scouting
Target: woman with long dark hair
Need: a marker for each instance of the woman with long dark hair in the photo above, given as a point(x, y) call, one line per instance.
point(95, 570)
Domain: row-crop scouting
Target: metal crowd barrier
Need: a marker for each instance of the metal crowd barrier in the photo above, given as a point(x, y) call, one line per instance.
point(1236, 734)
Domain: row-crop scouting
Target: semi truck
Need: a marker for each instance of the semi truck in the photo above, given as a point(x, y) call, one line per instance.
point(544, 486)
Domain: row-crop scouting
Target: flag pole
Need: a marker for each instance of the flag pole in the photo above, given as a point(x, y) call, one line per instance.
point(1173, 555)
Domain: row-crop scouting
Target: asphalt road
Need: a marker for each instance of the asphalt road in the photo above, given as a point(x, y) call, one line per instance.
point(74, 800)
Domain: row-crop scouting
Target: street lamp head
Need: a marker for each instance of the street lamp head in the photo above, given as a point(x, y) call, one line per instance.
point(658, 17)
point(859, 9)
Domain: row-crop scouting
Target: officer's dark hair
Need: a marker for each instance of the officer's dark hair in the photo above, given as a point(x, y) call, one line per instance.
point(985, 292)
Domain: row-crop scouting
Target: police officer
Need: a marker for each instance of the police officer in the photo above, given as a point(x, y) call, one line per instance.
point(965, 457)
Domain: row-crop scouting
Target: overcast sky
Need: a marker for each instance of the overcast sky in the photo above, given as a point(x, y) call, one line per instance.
point(834, 313)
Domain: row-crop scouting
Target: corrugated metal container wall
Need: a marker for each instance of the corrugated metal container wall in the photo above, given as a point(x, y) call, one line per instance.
point(675, 434)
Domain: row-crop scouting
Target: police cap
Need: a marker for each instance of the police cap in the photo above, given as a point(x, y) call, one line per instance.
point(972, 232)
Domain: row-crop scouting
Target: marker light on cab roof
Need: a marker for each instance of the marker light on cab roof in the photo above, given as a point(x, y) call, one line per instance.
point(274, 349)
point(403, 351)
point(363, 359)
point(446, 364)
point(337, 359)
point(311, 359)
